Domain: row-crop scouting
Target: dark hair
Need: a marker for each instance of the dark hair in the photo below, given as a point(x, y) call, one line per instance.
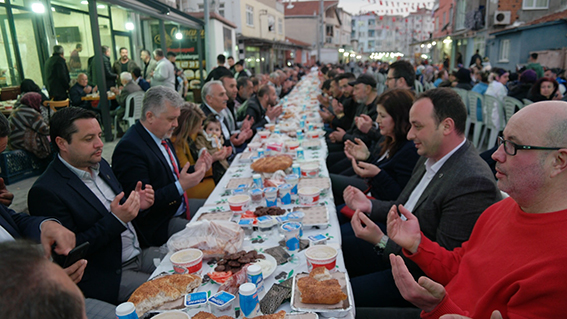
point(324, 69)
point(62, 123)
point(104, 49)
point(349, 76)
point(191, 115)
point(534, 56)
point(404, 69)
point(29, 291)
point(255, 81)
point(4, 126)
point(29, 85)
point(332, 73)
point(326, 84)
point(211, 118)
point(498, 71)
point(230, 57)
point(447, 104)
point(536, 88)
point(484, 75)
point(397, 103)
point(242, 82)
point(137, 71)
point(263, 90)
point(147, 52)
point(228, 76)
point(122, 48)
point(171, 54)
point(79, 46)
point(221, 58)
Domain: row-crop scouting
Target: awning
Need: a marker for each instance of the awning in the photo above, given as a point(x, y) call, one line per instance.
point(160, 11)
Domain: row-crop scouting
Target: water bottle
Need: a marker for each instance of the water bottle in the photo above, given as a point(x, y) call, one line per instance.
point(249, 303)
point(126, 310)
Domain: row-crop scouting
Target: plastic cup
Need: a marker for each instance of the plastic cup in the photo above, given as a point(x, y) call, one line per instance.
point(254, 146)
point(292, 145)
point(291, 235)
point(285, 193)
point(239, 203)
point(313, 134)
point(293, 180)
point(264, 134)
point(297, 217)
point(270, 127)
point(271, 196)
point(257, 195)
point(187, 261)
point(310, 170)
point(309, 196)
point(321, 256)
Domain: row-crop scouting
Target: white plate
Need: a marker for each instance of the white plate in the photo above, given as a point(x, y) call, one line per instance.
point(268, 265)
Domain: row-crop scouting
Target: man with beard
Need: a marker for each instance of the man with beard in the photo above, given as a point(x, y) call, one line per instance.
point(245, 89)
point(124, 64)
point(80, 190)
point(262, 107)
point(343, 104)
point(238, 139)
point(145, 153)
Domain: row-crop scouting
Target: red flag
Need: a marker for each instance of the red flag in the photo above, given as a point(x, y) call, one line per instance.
point(393, 19)
point(381, 17)
point(381, 3)
point(406, 19)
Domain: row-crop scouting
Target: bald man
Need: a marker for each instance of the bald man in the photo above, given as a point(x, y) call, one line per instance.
point(514, 261)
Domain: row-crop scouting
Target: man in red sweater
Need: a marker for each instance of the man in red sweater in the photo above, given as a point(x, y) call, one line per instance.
point(514, 261)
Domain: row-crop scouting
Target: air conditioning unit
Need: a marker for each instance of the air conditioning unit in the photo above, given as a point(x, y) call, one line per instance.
point(502, 17)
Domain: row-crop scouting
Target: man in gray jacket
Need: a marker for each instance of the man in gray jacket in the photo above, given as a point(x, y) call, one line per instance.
point(449, 188)
point(164, 74)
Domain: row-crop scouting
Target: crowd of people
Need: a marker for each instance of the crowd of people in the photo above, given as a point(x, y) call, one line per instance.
point(423, 219)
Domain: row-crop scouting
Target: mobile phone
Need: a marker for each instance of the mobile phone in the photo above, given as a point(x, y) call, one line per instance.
point(75, 254)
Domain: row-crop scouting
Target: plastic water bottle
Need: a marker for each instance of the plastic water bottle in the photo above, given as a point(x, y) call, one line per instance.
point(255, 276)
point(44, 91)
point(126, 310)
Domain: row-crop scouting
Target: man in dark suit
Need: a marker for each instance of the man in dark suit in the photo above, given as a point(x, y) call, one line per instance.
point(262, 107)
point(108, 74)
point(145, 153)
point(137, 77)
point(220, 70)
point(448, 190)
point(80, 90)
point(57, 75)
point(80, 190)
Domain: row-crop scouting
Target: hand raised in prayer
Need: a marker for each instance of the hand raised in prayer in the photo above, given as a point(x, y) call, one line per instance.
point(205, 160)
point(337, 107)
point(356, 149)
point(365, 170)
point(146, 195)
point(190, 180)
point(76, 270)
point(129, 210)
point(247, 123)
point(222, 153)
point(425, 294)
point(273, 112)
point(337, 136)
point(364, 123)
point(326, 115)
point(365, 229)
point(6, 197)
point(405, 233)
point(355, 199)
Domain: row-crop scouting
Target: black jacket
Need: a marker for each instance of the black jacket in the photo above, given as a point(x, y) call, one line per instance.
point(218, 73)
point(57, 77)
point(256, 112)
point(110, 76)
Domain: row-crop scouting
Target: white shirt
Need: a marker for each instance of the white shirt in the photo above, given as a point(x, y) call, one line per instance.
point(431, 168)
point(104, 193)
point(5, 235)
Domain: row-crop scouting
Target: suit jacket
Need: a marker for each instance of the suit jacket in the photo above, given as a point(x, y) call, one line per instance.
point(76, 93)
point(57, 77)
point(128, 89)
point(20, 224)
point(256, 112)
point(143, 84)
point(138, 158)
point(450, 205)
point(59, 193)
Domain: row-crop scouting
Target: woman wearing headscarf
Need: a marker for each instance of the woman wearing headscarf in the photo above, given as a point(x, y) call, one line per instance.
point(29, 131)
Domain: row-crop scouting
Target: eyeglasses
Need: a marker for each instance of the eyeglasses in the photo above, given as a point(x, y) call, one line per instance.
point(512, 148)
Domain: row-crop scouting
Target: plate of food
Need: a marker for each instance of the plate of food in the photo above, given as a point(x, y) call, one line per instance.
point(230, 264)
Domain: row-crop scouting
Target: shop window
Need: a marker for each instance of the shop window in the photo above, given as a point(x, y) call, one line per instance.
point(461, 8)
point(8, 72)
point(249, 15)
point(371, 33)
point(27, 45)
point(535, 4)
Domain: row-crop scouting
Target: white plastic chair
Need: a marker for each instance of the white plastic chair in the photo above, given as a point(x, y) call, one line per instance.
point(465, 98)
point(494, 120)
point(133, 110)
point(474, 98)
point(510, 105)
point(418, 87)
point(527, 102)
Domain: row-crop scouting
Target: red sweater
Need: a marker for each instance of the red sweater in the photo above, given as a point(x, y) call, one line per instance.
point(514, 262)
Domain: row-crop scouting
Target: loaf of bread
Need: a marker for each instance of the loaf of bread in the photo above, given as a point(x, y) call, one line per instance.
point(318, 288)
point(155, 293)
point(278, 315)
point(272, 164)
point(206, 315)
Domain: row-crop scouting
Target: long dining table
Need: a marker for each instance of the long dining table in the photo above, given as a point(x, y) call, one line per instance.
point(300, 100)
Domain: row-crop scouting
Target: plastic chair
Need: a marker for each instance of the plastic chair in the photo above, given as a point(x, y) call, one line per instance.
point(527, 102)
point(510, 105)
point(465, 98)
point(133, 110)
point(418, 87)
point(494, 120)
point(476, 99)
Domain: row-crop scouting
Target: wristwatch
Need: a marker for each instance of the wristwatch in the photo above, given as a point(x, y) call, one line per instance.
point(381, 245)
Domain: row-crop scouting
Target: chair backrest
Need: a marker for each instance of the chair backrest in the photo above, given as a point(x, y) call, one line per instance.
point(55, 105)
point(510, 105)
point(464, 94)
point(476, 106)
point(495, 118)
point(527, 102)
point(133, 107)
point(418, 87)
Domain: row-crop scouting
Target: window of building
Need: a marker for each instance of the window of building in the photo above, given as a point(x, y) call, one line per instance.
point(504, 50)
point(371, 44)
point(221, 9)
point(201, 7)
point(271, 23)
point(371, 22)
point(280, 25)
point(361, 34)
point(249, 15)
point(535, 4)
point(352, 23)
point(378, 33)
point(444, 19)
point(371, 33)
point(461, 11)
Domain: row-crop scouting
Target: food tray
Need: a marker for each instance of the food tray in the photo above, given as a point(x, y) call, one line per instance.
point(314, 215)
point(216, 216)
point(311, 144)
point(324, 183)
point(302, 315)
point(246, 157)
point(338, 310)
point(235, 182)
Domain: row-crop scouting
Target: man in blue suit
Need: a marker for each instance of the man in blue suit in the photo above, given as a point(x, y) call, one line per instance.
point(80, 190)
point(145, 153)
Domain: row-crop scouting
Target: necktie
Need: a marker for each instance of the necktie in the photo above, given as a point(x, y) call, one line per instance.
point(174, 164)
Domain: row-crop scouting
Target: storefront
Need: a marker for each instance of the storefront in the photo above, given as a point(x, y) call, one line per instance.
point(30, 28)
